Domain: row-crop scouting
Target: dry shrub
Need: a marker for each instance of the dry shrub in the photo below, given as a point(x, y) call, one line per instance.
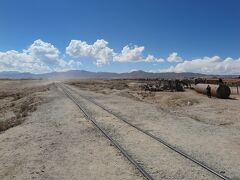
point(99, 85)
point(22, 103)
point(11, 122)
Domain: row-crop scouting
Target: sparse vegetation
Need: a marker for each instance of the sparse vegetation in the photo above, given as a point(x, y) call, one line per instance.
point(17, 103)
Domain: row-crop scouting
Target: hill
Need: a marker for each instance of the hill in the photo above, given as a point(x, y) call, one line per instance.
point(82, 74)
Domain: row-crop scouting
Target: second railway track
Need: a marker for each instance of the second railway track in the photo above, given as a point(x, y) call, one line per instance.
point(183, 154)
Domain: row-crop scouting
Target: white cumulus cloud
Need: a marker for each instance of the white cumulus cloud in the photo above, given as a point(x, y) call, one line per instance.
point(44, 52)
point(135, 54)
point(20, 61)
point(207, 65)
point(103, 54)
point(98, 50)
point(38, 57)
point(42, 57)
point(173, 57)
point(129, 54)
point(151, 58)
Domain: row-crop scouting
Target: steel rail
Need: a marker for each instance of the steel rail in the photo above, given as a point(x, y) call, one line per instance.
point(158, 139)
point(115, 143)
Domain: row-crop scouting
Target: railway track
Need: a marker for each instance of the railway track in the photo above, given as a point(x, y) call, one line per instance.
point(176, 150)
point(115, 143)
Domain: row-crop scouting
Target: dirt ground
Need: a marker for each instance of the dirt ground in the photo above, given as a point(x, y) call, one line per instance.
point(219, 112)
point(45, 136)
point(207, 129)
point(18, 98)
point(56, 142)
point(153, 156)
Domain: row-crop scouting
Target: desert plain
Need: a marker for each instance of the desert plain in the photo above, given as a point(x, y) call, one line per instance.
point(44, 135)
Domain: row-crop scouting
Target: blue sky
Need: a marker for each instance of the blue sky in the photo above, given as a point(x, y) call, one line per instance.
point(120, 35)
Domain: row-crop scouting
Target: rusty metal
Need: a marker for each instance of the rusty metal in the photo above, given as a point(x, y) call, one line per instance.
point(219, 91)
point(164, 85)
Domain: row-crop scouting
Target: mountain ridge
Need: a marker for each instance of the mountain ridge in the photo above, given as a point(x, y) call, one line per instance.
point(83, 74)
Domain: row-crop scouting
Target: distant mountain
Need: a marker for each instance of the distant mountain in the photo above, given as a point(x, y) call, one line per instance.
point(16, 75)
point(167, 75)
point(81, 74)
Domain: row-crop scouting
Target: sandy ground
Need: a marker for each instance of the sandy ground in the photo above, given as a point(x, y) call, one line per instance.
point(56, 142)
point(214, 111)
point(207, 129)
point(18, 98)
point(154, 157)
point(219, 112)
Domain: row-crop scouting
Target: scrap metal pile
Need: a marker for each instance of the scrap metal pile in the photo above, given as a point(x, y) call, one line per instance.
point(219, 87)
point(166, 85)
